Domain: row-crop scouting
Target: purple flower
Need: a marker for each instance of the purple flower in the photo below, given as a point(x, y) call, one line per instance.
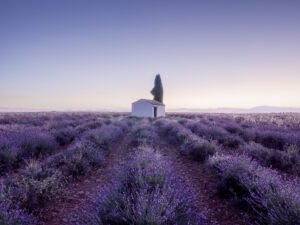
point(260, 190)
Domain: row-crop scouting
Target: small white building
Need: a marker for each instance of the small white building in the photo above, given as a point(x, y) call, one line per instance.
point(148, 108)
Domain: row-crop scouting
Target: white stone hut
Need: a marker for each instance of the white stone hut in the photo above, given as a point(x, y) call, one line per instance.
point(148, 108)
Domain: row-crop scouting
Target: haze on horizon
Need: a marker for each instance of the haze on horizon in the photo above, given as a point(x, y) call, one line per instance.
point(75, 54)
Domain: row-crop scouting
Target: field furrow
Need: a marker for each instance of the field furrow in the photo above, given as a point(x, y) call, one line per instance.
point(117, 169)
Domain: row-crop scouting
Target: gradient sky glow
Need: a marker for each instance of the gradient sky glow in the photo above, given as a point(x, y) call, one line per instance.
point(83, 54)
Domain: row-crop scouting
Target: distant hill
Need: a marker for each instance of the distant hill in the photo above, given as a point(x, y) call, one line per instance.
point(266, 109)
point(258, 109)
point(6, 109)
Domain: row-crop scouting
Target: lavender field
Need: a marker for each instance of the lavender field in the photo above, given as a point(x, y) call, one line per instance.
point(110, 168)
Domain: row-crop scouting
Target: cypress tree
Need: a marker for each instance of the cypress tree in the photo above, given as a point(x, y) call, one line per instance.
point(157, 91)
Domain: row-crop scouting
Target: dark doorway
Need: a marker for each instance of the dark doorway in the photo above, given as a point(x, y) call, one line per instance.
point(155, 111)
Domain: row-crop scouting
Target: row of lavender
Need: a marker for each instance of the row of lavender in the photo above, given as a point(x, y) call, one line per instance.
point(273, 121)
point(23, 195)
point(146, 190)
point(41, 119)
point(22, 143)
point(254, 188)
point(257, 190)
point(190, 144)
point(271, 135)
point(277, 149)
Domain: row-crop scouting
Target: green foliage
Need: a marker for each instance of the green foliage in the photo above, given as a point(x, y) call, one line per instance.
point(157, 91)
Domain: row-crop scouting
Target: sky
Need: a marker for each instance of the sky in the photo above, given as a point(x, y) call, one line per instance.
point(93, 55)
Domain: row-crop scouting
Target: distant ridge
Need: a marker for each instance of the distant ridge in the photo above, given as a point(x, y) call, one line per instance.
point(257, 109)
point(7, 109)
point(12, 110)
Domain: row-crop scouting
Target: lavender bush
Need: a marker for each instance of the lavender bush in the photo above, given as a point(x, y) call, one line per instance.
point(13, 216)
point(35, 143)
point(260, 190)
point(8, 155)
point(270, 139)
point(214, 133)
point(38, 183)
point(64, 136)
point(146, 190)
point(145, 193)
point(17, 146)
point(104, 136)
point(145, 135)
point(34, 186)
point(77, 160)
point(195, 147)
point(88, 153)
point(174, 132)
point(288, 161)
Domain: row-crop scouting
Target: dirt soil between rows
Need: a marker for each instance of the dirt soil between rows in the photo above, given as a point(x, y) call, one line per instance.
point(76, 200)
point(201, 182)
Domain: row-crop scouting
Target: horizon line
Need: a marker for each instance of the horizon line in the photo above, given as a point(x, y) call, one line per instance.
point(259, 109)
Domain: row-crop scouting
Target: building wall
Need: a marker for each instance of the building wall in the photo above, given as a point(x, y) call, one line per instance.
point(146, 109)
point(142, 109)
point(161, 111)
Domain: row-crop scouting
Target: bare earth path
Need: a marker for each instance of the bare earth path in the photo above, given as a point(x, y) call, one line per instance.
point(78, 195)
point(201, 182)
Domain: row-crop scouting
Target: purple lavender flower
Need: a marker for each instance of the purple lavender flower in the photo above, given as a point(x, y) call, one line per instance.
point(258, 189)
point(146, 191)
point(10, 214)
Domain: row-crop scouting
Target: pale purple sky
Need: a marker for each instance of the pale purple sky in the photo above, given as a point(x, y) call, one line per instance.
point(71, 54)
